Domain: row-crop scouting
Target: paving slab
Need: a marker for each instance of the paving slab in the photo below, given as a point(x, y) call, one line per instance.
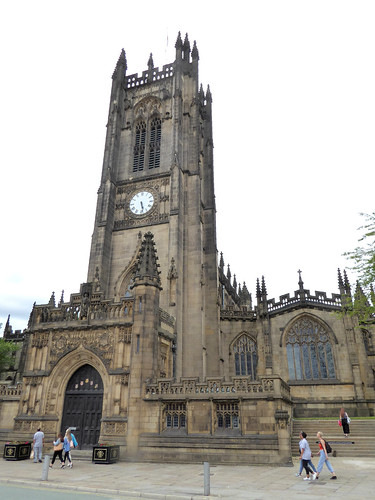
point(157, 481)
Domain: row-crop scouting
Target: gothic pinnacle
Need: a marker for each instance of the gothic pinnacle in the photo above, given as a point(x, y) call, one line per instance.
point(121, 65)
point(147, 266)
point(194, 52)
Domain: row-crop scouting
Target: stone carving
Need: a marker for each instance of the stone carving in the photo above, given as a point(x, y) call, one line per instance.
point(39, 340)
point(101, 343)
point(282, 418)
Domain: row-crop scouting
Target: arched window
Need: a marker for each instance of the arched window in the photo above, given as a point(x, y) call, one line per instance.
point(147, 145)
point(155, 139)
point(309, 351)
point(245, 356)
point(139, 147)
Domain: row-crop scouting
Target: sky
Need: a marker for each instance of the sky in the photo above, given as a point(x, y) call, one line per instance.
point(293, 94)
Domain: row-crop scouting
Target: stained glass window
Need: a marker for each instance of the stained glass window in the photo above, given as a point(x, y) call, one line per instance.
point(309, 351)
point(245, 356)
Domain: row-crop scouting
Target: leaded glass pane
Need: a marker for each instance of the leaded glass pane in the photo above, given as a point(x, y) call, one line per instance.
point(306, 361)
point(297, 361)
point(322, 361)
point(289, 353)
point(314, 361)
point(330, 364)
point(237, 363)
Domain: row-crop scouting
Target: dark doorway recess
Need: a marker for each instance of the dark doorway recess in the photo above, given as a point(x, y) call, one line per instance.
point(83, 406)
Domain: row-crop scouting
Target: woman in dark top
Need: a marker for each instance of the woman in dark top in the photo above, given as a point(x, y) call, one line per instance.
point(344, 422)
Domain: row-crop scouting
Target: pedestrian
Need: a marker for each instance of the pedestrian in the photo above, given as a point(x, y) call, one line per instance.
point(58, 450)
point(323, 457)
point(73, 443)
point(38, 443)
point(301, 463)
point(345, 420)
point(305, 456)
point(66, 448)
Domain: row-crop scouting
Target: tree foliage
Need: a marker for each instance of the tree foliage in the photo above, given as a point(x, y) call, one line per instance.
point(362, 257)
point(7, 349)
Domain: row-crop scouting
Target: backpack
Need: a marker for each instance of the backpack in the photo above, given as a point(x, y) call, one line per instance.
point(328, 447)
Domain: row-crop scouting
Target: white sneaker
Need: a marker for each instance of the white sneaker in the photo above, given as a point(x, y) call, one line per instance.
point(314, 476)
point(307, 478)
point(297, 474)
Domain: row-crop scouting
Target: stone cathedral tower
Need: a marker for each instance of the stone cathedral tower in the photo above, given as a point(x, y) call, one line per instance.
point(158, 176)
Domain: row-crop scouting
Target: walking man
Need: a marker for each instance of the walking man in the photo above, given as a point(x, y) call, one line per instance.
point(38, 443)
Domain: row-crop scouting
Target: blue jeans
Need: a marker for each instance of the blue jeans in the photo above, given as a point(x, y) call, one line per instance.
point(37, 453)
point(310, 465)
point(323, 460)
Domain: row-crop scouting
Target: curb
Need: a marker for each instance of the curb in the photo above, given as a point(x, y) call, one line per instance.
point(102, 491)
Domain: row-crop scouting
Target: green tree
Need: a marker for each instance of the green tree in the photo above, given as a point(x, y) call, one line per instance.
point(363, 257)
point(7, 349)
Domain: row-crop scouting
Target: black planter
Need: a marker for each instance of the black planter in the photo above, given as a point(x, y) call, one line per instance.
point(13, 451)
point(105, 454)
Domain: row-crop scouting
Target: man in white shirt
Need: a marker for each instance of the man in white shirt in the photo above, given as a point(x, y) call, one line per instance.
point(305, 455)
point(38, 443)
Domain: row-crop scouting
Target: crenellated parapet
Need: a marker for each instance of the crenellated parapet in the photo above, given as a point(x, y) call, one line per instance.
point(318, 300)
point(150, 75)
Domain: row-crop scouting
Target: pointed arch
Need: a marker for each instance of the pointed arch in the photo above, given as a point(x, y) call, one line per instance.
point(308, 341)
point(123, 282)
point(147, 134)
point(62, 373)
point(245, 354)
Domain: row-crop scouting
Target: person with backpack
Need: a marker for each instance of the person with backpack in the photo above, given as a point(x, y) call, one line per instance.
point(323, 457)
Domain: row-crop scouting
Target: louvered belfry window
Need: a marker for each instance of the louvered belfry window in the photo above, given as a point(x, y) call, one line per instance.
point(154, 145)
point(147, 145)
point(139, 147)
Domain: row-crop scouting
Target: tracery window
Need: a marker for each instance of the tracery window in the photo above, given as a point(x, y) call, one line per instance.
point(309, 351)
point(155, 139)
point(175, 415)
point(367, 339)
point(139, 147)
point(227, 415)
point(147, 145)
point(245, 356)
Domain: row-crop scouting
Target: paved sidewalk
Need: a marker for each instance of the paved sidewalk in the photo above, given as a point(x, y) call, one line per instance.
point(356, 479)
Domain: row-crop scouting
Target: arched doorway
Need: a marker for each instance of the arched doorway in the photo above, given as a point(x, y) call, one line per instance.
point(83, 405)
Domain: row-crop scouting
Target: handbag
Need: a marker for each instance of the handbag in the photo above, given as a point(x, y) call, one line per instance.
point(58, 447)
point(339, 422)
point(348, 420)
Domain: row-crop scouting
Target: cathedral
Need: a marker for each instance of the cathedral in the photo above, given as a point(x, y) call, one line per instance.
point(161, 351)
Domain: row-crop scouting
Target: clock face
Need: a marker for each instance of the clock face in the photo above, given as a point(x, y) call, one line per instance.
point(141, 203)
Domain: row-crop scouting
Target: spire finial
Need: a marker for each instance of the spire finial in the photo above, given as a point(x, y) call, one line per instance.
point(150, 63)
point(264, 289)
point(258, 293)
point(52, 300)
point(194, 52)
point(300, 282)
point(221, 261)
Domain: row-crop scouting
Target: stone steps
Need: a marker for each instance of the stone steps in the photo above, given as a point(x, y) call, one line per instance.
point(361, 441)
